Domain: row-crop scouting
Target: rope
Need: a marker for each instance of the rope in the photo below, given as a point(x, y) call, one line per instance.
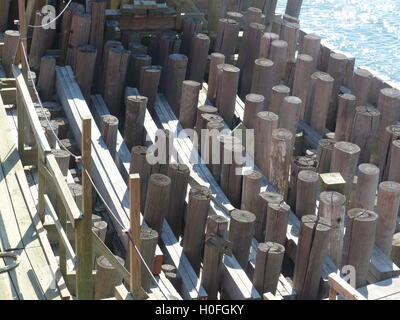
point(9, 266)
point(54, 20)
point(78, 159)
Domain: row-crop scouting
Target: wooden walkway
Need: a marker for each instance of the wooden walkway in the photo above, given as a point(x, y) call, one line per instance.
point(37, 276)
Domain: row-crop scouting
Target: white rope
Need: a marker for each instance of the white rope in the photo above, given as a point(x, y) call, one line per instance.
point(52, 21)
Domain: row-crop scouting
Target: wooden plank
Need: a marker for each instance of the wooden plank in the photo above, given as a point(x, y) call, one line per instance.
point(7, 291)
point(343, 288)
point(388, 289)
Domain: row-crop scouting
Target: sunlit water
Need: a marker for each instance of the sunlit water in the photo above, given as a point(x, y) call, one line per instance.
point(367, 29)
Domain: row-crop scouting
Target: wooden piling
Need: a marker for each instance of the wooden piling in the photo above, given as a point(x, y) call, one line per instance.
point(390, 134)
point(198, 57)
point(290, 33)
point(241, 231)
point(11, 39)
point(359, 242)
point(345, 160)
point(279, 92)
point(332, 208)
point(137, 62)
point(289, 114)
point(395, 254)
point(312, 249)
point(301, 81)
point(367, 184)
point(265, 44)
point(345, 117)
point(268, 266)
point(277, 222)
point(387, 208)
point(140, 165)
point(157, 200)
point(165, 49)
point(253, 15)
point(361, 86)
point(324, 155)
point(47, 76)
point(293, 8)
point(263, 80)
point(217, 226)
point(149, 82)
point(109, 132)
point(227, 38)
point(107, 277)
point(179, 175)
point(97, 11)
point(227, 92)
point(134, 120)
point(311, 46)
point(148, 244)
point(190, 27)
point(79, 36)
point(189, 102)
point(394, 171)
point(62, 158)
point(365, 131)
point(216, 10)
point(196, 219)
point(4, 15)
point(51, 131)
point(85, 67)
point(175, 74)
point(251, 189)
point(215, 60)
point(306, 197)
point(279, 56)
point(254, 103)
point(280, 157)
point(201, 121)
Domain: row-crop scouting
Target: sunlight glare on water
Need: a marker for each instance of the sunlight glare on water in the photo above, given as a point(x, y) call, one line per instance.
point(368, 30)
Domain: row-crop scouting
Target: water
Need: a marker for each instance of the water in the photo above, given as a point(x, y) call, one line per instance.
point(368, 30)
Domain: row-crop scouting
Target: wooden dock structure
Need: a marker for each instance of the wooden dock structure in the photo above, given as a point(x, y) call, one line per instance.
point(192, 150)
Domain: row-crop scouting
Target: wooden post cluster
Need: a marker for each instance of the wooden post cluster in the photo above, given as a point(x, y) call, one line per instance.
point(79, 35)
point(265, 44)
point(254, 103)
point(136, 64)
point(11, 39)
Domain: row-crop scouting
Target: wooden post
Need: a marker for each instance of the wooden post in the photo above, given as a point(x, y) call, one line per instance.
point(4, 15)
point(268, 266)
point(365, 131)
point(279, 56)
point(298, 163)
point(107, 278)
point(361, 86)
point(227, 38)
point(324, 155)
point(11, 40)
point(277, 222)
point(394, 171)
point(263, 79)
point(157, 200)
point(391, 134)
point(231, 175)
point(109, 132)
point(83, 233)
point(248, 53)
point(47, 76)
point(97, 11)
point(367, 184)
point(136, 48)
point(251, 189)
point(198, 57)
point(241, 232)
point(134, 120)
point(227, 92)
point(312, 249)
point(265, 44)
point(317, 111)
point(165, 49)
point(266, 123)
point(306, 197)
point(135, 262)
point(216, 11)
point(80, 31)
point(149, 82)
point(85, 67)
point(215, 60)
point(270, 8)
point(51, 131)
point(140, 165)
point(62, 158)
point(387, 208)
point(179, 175)
point(101, 83)
point(345, 160)
point(289, 33)
point(301, 82)
point(359, 242)
point(201, 121)
point(137, 62)
point(254, 104)
point(214, 159)
point(253, 15)
point(264, 199)
point(332, 207)
point(289, 114)
point(345, 117)
point(190, 27)
point(293, 8)
point(195, 226)
point(312, 46)
point(217, 226)
point(279, 92)
point(395, 254)
point(189, 102)
point(336, 69)
point(175, 74)
point(280, 157)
